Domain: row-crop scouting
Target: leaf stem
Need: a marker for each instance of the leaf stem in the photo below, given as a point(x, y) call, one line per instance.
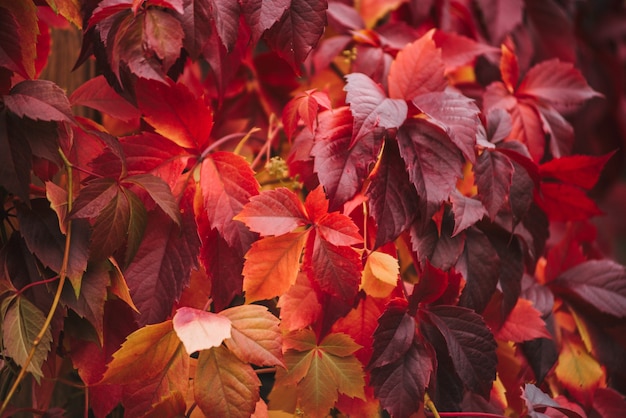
point(57, 296)
point(29, 285)
point(266, 370)
point(272, 133)
point(428, 403)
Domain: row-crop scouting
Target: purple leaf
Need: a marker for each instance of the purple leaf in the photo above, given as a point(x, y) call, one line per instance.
point(393, 336)
point(601, 283)
point(494, 174)
point(433, 162)
point(456, 114)
point(467, 211)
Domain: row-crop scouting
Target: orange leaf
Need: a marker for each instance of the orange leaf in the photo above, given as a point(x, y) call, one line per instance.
point(272, 265)
point(255, 336)
point(299, 307)
point(145, 354)
point(224, 386)
point(524, 323)
point(380, 274)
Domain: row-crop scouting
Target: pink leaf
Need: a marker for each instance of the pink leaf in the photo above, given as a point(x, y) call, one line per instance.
point(39, 100)
point(200, 330)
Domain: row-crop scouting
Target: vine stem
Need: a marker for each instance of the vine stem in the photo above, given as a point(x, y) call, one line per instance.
point(57, 296)
point(428, 403)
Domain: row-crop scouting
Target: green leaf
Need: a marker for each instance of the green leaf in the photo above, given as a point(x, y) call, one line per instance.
point(224, 386)
point(22, 323)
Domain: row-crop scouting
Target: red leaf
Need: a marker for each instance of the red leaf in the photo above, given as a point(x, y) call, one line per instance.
point(175, 113)
point(578, 170)
point(392, 199)
point(406, 83)
point(304, 106)
point(528, 129)
point(39, 100)
point(370, 107)
point(97, 94)
point(494, 175)
point(161, 267)
point(456, 114)
point(337, 270)
point(524, 323)
point(458, 50)
point(509, 68)
point(433, 162)
point(298, 31)
point(228, 183)
point(608, 403)
point(344, 18)
point(601, 283)
point(299, 306)
point(338, 229)
point(25, 23)
point(564, 202)
point(360, 324)
point(261, 15)
point(432, 285)
point(558, 83)
point(273, 212)
point(470, 344)
point(467, 211)
point(341, 168)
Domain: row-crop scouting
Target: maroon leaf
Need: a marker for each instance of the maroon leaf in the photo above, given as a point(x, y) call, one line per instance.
point(394, 335)
point(10, 49)
point(93, 198)
point(370, 106)
point(298, 31)
point(175, 113)
point(344, 18)
point(337, 270)
point(470, 344)
point(560, 131)
point(196, 25)
point(226, 18)
point(498, 125)
point(456, 114)
point(467, 211)
point(39, 100)
point(160, 269)
point(431, 286)
point(601, 283)
point(341, 169)
point(159, 191)
point(439, 247)
point(39, 226)
point(501, 17)
point(433, 162)
point(227, 183)
point(97, 94)
point(392, 199)
point(400, 385)
point(261, 15)
point(480, 265)
point(494, 174)
point(15, 161)
point(406, 83)
point(558, 83)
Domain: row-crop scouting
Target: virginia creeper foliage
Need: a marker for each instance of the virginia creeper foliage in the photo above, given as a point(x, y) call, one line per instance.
point(315, 207)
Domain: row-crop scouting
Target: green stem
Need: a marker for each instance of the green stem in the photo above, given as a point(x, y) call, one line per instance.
point(57, 296)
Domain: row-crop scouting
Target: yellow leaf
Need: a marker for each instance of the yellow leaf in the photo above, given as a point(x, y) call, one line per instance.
point(380, 274)
point(579, 372)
